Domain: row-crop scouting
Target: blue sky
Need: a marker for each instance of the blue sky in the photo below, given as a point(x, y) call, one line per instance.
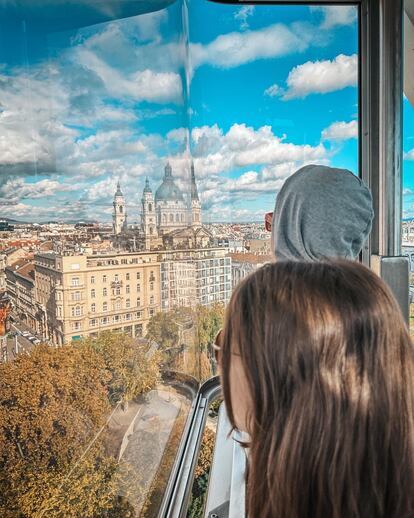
point(252, 93)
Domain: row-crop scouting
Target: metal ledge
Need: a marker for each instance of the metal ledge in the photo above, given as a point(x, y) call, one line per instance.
point(177, 493)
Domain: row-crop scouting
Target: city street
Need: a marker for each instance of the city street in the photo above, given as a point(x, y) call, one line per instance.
point(146, 439)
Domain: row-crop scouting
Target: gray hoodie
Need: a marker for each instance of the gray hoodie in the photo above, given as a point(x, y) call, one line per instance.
point(321, 212)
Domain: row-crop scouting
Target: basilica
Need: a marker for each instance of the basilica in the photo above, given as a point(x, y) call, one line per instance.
point(169, 210)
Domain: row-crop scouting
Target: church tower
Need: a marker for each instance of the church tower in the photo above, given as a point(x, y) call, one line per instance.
point(148, 215)
point(119, 216)
point(195, 201)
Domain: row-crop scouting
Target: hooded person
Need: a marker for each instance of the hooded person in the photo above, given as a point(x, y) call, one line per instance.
point(321, 212)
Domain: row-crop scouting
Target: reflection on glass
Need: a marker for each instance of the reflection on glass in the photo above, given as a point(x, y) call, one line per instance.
point(138, 156)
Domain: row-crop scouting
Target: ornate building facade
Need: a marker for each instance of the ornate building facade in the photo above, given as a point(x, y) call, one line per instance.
point(168, 210)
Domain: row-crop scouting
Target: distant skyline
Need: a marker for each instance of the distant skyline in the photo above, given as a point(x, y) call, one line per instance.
point(257, 93)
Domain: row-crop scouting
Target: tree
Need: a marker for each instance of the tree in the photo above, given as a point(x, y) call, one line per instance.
point(209, 320)
point(132, 369)
point(163, 329)
point(52, 403)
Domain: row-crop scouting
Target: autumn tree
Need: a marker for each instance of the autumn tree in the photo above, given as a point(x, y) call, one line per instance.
point(52, 403)
point(131, 366)
point(209, 320)
point(163, 329)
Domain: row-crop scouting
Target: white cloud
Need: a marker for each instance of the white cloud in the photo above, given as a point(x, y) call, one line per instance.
point(17, 189)
point(243, 15)
point(322, 76)
point(236, 48)
point(337, 15)
point(341, 131)
point(142, 85)
point(409, 155)
point(243, 146)
point(274, 91)
point(149, 25)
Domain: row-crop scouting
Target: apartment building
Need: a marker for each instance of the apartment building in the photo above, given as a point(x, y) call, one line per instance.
point(243, 265)
point(21, 290)
point(195, 276)
point(87, 294)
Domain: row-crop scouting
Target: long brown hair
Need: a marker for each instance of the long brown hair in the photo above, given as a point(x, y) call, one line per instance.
point(330, 369)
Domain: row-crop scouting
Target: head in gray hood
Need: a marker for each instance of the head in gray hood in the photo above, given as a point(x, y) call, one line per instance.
point(321, 212)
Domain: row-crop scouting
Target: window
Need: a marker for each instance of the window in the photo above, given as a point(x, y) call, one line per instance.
point(76, 311)
point(246, 141)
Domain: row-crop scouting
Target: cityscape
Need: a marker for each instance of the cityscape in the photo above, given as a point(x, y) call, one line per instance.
point(139, 157)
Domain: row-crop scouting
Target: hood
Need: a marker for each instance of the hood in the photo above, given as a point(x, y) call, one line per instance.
point(321, 212)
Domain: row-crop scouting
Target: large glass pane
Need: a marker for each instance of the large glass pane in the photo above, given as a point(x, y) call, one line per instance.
point(273, 88)
point(93, 102)
point(408, 144)
point(138, 156)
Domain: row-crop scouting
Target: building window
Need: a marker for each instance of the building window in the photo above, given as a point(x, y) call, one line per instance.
point(105, 292)
point(171, 218)
point(128, 316)
point(77, 325)
point(138, 302)
point(138, 287)
point(76, 311)
point(104, 278)
point(118, 291)
point(138, 276)
point(92, 322)
point(127, 276)
point(59, 311)
point(104, 320)
point(150, 207)
point(117, 318)
point(105, 306)
point(118, 304)
point(127, 289)
point(182, 218)
point(75, 281)
point(93, 307)
point(151, 312)
point(152, 299)
point(93, 279)
point(127, 303)
point(116, 278)
point(93, 294)
point(177, 218)
point(151, 286)
point(164, 218)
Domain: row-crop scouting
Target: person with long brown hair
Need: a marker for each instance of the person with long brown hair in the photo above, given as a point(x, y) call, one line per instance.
point(317, 366)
